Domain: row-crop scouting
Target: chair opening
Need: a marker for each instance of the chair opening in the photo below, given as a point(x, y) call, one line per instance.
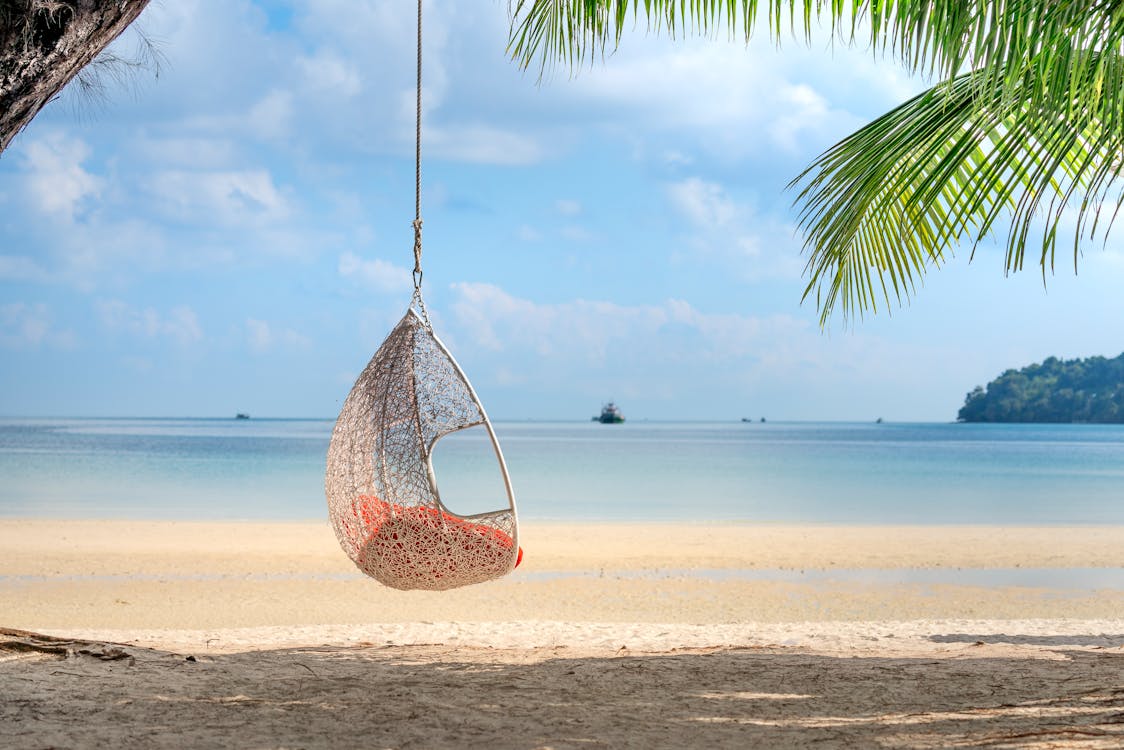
point(465, 466)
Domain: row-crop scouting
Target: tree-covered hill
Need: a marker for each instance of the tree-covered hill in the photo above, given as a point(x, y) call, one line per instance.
point(1073, 390)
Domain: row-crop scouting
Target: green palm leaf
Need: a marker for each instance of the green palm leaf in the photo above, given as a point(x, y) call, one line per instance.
point(1031, 134)
point(893, 199)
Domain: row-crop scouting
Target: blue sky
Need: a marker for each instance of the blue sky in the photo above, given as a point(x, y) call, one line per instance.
point(235, 236)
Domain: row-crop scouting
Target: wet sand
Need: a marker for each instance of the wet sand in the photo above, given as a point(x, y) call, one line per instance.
point(100, 575)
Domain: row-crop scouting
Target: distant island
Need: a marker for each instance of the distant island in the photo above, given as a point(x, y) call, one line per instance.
point(1073, 390)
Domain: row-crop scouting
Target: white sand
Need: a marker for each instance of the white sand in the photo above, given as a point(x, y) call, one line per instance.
point(611, 635)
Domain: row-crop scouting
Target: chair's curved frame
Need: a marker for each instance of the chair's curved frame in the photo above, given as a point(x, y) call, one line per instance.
point(487, 423)
point(357, 466)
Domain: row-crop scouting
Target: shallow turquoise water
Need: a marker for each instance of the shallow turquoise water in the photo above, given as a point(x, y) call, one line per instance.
point(751, 472)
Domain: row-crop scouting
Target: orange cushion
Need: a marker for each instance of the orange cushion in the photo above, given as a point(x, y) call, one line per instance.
point(375, 514)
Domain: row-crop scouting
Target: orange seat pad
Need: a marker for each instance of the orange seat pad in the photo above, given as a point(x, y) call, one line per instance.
point(384, 519)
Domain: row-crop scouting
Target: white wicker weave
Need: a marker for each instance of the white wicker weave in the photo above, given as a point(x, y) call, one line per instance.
point(382, 491)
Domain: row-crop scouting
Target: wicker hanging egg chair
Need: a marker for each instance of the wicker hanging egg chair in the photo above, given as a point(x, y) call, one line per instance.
point(382, 491)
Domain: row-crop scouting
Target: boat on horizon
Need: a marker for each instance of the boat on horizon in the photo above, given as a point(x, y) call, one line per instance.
point(241, 415)
point(610, 414)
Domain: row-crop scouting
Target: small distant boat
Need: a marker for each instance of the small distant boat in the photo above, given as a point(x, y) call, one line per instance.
point(610, 414)
point(241, 415)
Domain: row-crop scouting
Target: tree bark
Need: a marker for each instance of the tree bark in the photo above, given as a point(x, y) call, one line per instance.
point(43, 45)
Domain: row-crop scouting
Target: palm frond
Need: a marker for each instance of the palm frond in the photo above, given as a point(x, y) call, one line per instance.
point(1032, 132)
point(896, 197)
point(545, 32)
point(939, 37)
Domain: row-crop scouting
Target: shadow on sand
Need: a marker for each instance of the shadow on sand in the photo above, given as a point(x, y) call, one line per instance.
point(86, 695)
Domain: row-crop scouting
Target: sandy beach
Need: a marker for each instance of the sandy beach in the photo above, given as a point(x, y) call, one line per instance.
point(608, 635)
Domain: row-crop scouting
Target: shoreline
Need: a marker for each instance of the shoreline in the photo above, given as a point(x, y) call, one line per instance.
point(934, 638)
point(150, 575)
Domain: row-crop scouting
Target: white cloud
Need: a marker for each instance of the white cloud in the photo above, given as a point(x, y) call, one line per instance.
point(178, 219)
point(496, 320)
point(704, 203)
point(328, 72)
point(142, 365)
point(268, 118)
point(258, 335)
point(235, 198)
point(597, 332)
point(30, 326)
point(568, 207)
point(271, 117)
point(180, 324)
point(575, 233)
point(24, 323)
point(479, 108)
point(678, 359)
point(57, 183)
point(481, 144)
point(878, 76)
point(261, 337)
point(96, 251)
point(196, 152)
point(376, 274)
point(339, 74)
point(803, 110)
point(675, 157)
point(368, 22)
point(527, 233)
point(733, 234)
point(729, 99)
point(20, 268)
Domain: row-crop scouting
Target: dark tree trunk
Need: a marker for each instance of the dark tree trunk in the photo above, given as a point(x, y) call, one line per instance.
point(44, 43)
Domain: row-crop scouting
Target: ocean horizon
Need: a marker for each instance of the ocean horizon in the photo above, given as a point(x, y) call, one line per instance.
point(193, 468)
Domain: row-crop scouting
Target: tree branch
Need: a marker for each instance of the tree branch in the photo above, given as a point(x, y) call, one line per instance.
point(44, 44)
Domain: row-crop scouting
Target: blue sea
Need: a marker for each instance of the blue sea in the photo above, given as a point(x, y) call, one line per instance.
point(265, 469)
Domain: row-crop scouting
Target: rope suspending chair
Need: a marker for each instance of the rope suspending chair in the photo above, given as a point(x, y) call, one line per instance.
point(382, 492)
